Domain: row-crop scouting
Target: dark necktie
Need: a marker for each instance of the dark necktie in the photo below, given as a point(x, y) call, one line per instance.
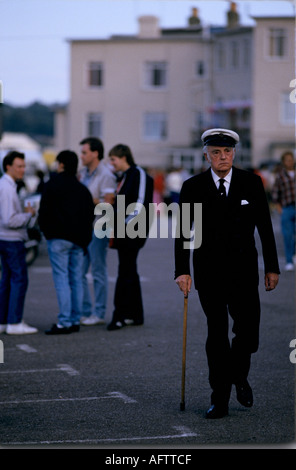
point(222, 189)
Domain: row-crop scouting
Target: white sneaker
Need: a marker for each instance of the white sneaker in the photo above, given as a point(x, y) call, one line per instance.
point(3, 328)
point(20, 329)
point(92, 320)
point(289, 267)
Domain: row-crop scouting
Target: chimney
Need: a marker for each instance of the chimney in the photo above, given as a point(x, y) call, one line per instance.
point(232, 16)
point(148, 27)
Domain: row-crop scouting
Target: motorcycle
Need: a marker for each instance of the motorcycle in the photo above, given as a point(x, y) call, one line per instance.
point(32, 244)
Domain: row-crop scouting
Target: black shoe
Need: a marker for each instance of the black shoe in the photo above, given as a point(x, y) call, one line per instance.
point(55, 330)
point(244, 394)
point(115, 325)
point(74, 328)
point(217, 412)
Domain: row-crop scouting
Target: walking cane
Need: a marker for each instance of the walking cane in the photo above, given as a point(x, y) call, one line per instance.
point(182, 404)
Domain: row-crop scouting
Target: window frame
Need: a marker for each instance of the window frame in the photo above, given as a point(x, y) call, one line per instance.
point(89, 120)
point(152, 120)
point(152, 68)
point(272, 42)
point(90, 68)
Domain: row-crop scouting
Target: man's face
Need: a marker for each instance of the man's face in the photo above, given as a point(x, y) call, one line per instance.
point(17, 169)
point(288, 162)
point(220, 159)
point(88, 157)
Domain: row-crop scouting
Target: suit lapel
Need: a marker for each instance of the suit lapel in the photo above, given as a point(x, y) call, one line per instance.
point(234, 190)
point(210, 187)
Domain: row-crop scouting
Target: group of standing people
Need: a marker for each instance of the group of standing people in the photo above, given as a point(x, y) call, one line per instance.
point(66, 218)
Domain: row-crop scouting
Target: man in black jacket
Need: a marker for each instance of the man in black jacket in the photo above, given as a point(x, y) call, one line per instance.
point(226, 265)
point(66, 217)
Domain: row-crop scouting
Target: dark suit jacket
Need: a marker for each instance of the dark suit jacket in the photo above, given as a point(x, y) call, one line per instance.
point(228, 241)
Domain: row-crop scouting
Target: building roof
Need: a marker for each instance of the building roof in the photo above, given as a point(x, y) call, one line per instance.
point(273, 17)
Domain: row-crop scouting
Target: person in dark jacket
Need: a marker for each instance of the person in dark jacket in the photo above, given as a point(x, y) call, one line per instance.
point(66, 217)
point(225, 264)
point(134, 194)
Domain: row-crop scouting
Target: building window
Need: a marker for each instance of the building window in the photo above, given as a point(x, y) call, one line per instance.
point(220, 56)
point(95, 74)
point(94, 122)
point(156, 74)
point(234, 55)
point(246, 53)
point(287, 110)
point(200, 68)
point(277, 43)
point(198, 117)
point(155, 126)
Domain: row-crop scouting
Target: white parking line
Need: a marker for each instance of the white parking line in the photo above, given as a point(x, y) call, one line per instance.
point(182, 432)
point(68, 369)
point(123, 397)
point(26, 348)
point(110, 395)
point(60, 367)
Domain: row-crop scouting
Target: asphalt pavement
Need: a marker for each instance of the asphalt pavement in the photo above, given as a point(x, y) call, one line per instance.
point(121, 390)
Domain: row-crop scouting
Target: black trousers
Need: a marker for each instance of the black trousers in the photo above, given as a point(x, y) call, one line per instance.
point(229, 360)
point(128, 302)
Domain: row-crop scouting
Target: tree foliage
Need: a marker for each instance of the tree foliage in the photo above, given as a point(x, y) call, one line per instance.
point(35, 120)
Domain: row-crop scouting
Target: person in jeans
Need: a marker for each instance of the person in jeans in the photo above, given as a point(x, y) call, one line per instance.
point(13, 233)
point(66, 218)
point(283, 195)
point(101, 182)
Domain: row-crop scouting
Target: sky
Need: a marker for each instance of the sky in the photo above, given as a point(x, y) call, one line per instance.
point(35, 53)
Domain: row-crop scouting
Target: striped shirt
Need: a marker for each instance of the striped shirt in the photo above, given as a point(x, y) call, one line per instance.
point(283, 191)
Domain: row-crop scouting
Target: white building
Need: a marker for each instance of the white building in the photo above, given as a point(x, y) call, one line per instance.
point(159, 90)
point(273, 120)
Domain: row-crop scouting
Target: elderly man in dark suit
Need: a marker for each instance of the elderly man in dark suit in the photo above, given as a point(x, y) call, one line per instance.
point(226, 264)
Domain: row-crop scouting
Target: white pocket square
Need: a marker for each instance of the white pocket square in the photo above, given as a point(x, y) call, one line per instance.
point(244, 202)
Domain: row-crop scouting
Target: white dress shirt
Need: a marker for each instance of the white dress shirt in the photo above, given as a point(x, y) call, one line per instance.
point(227, 180)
